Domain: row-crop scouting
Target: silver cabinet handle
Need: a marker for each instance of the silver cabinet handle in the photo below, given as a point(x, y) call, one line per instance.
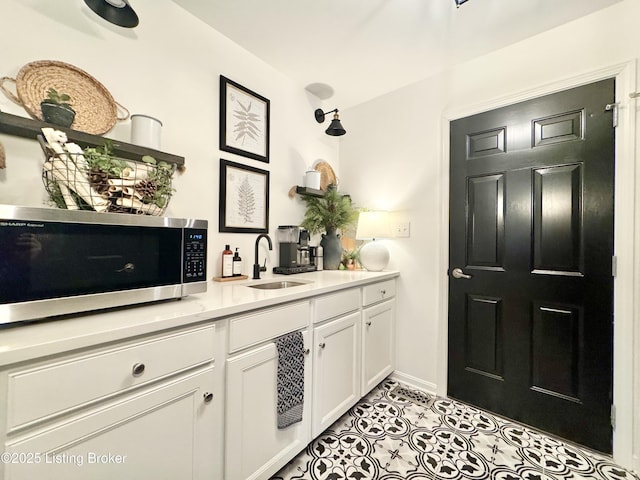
point(127, 268)
point(322, 345)
point(208, 396)
point(458, 273)
point(138, 369)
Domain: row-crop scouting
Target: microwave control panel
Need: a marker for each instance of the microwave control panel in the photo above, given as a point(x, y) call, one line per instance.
point(194, 255)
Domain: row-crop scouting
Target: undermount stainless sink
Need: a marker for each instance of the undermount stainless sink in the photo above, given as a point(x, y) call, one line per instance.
point(277, 285)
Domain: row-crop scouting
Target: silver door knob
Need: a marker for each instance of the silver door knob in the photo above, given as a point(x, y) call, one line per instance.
point(458, 273)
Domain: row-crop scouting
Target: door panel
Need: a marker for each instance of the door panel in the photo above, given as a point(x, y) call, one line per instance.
point(555, 352)
point(557, 220)
point(531, 226)
point(485, 238)
point(483, 339)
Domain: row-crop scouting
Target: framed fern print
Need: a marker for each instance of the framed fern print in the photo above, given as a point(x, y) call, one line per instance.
point(244, 198)
point(244, 121)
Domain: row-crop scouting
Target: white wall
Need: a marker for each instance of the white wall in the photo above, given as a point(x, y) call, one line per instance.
point(168, 67)
point(395, 156)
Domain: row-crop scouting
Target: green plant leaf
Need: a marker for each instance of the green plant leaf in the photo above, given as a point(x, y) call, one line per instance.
point(331, 212)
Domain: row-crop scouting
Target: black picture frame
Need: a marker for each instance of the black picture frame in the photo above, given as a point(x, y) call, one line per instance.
point(244, 198)
point(244, 121)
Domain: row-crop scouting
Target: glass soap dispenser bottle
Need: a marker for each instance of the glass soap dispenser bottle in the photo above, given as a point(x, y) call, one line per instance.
point(227, 262)
point(237, 264)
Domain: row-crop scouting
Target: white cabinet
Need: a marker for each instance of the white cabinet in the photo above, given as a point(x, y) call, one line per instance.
point(45, 390)
point(255, 447)
point(377, 292)
point(189, 402)
point(161, 433)
point(378, 344)
point(141, 409)
point(353, 352)
point(336, 375)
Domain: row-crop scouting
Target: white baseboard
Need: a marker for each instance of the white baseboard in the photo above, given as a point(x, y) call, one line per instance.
point(415, 382)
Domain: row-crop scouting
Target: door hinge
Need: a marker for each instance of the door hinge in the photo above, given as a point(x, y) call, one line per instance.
point(613, 107)
point(613, 417)
point(614, 266)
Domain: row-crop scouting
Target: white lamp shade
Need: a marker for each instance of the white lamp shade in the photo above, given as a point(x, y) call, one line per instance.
point(373, 225)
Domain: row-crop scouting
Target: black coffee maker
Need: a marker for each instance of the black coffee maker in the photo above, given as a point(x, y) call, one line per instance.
point(294, 250)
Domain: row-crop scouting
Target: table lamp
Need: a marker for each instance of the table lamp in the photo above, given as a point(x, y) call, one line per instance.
point(374, 255)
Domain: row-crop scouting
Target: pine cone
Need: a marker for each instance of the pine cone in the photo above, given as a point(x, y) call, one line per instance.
point(98, 180)
point(147, 188)
point(113, 208)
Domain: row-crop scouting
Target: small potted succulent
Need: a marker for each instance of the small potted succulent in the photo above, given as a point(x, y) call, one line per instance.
point(350, 258)
point(56, 109)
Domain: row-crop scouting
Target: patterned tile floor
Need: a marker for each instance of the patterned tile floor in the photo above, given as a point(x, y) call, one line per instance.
point(396, 433)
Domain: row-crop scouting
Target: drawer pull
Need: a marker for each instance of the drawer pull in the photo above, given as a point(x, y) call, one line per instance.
point(322, 345)
point(307, 351)
point(138, 369)
point(383, 292)
point(208, 396)
point(368, 324)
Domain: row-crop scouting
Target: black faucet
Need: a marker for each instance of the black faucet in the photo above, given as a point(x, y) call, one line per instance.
point(256, 266)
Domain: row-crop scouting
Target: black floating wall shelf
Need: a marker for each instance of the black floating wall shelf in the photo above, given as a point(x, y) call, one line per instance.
point(28, 128)
point(310, 192)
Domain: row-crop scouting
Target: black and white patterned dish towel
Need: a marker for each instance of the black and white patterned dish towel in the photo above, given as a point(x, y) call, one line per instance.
point(290, 378)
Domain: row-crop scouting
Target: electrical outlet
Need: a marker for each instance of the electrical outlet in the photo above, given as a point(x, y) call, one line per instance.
point(403, 230)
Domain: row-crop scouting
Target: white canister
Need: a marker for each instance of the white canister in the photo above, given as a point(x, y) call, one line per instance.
point(319, 260)
point(145, 131)
point(312, 179)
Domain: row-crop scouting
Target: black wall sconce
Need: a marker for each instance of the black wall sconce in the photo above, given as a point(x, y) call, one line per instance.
point(118, 12)
point(335, 128)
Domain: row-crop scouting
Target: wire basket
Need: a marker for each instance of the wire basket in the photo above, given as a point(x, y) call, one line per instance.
point(93, 180)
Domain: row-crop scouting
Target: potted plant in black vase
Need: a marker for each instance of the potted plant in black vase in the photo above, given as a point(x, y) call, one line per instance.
point(328, 214)
point(56, 109)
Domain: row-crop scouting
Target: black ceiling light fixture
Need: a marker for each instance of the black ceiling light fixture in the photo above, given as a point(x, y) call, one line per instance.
point(335, 128)
point(118, 12)
point(459, 2)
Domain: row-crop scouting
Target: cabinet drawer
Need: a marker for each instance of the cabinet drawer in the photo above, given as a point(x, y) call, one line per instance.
point(378, 291)
point(57, 387)
point(332, 305)
point(264, 325)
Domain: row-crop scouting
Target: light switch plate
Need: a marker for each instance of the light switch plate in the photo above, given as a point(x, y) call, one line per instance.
point(403, 230)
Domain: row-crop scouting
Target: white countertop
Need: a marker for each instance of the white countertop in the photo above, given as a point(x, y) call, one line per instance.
point(28, 341)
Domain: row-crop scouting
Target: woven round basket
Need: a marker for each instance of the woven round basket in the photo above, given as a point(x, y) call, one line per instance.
point(96, 110)
point(327, 175)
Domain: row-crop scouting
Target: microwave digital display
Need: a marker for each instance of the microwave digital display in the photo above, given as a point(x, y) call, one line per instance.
point(195, 255)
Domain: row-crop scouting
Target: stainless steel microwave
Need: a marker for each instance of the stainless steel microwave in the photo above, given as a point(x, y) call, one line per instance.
point(56, 262)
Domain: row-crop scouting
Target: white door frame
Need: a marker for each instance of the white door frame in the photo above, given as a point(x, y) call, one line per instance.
point(626, 303)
